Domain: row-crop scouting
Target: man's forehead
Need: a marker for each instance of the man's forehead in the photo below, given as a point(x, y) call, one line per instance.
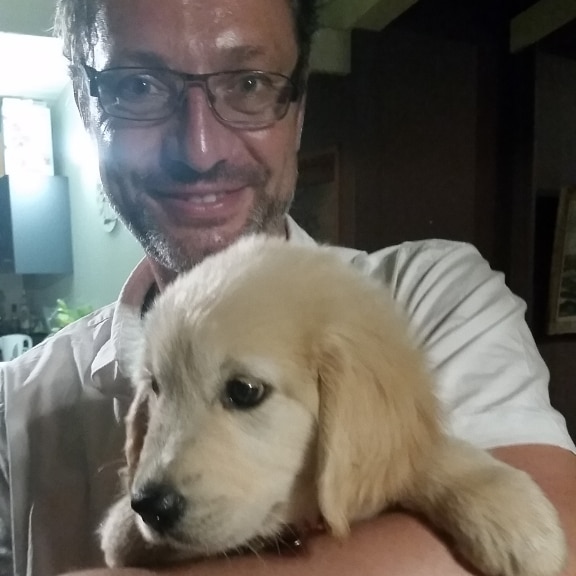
point(188, 14)
point(240, 30)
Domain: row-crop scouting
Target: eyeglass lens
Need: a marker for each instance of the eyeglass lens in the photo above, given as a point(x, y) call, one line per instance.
point(239, 97)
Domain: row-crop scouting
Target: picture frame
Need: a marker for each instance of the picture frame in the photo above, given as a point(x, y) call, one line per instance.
point(316, 205)
point(562, 295)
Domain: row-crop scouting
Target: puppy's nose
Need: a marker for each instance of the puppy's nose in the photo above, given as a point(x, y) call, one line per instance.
point(159, 505)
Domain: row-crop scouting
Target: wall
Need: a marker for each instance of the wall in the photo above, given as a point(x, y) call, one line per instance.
point(102, 261)
point(417, 148)
point(415, 102)
point(554, 167)
point(328, 126)
point(555, 121)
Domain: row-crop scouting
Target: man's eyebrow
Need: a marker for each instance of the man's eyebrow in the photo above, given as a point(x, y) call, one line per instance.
point(243, 54)
point(139, 58)
point(234, 56)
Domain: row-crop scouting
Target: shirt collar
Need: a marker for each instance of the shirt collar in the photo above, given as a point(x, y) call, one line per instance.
point(297, 235)
point(111, 365)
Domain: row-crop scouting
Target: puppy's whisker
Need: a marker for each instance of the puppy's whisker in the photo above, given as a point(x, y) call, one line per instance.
point(255, 545)
point(119, 462)
point(255, 552)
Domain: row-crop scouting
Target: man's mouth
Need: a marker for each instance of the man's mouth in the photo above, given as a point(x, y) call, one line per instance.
point(194, 205)
point(198, 197)
point(206, 199)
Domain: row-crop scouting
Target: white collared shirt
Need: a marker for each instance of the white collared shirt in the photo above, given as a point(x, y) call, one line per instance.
point(62, 403)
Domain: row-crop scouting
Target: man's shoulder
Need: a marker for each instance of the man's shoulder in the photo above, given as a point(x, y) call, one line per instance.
point(441, 285)
point(412, 261)
point(70, 350)
point(432, 251)
point(411, 254)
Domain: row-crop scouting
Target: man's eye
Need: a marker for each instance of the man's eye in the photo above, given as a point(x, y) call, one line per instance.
point(138, 86)
point(252, 85)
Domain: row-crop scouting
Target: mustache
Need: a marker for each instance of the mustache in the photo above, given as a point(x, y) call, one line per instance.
point(183, 173)
point(177, 172)
point(174, 171)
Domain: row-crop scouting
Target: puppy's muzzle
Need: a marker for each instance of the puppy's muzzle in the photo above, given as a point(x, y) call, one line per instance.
point(159, 505)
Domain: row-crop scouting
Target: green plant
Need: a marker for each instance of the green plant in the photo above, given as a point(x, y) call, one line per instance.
point(64, 315)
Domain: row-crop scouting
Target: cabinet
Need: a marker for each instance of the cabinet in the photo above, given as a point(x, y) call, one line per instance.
point(35, 229)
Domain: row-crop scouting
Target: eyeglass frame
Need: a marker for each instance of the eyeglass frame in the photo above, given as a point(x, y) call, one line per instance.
point(201, 79)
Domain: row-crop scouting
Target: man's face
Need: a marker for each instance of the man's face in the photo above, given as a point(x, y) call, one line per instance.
point(189, 185)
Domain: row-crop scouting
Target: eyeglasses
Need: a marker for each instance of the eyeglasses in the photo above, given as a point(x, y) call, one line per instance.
point(248, 99)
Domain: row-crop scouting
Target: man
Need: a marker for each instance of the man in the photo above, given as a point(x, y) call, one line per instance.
point(197, 109)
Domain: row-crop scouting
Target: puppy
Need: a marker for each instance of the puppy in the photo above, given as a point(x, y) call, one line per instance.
point(277, 387)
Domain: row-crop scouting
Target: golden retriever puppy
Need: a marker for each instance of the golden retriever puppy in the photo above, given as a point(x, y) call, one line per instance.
point(277, 387)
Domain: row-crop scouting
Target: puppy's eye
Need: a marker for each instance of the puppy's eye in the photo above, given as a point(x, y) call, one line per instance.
point(244, 394)
point(155, 387)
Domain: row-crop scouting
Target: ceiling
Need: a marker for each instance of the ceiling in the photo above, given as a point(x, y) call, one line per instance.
point(35, 69)
point(31, 65)
point(32, 17)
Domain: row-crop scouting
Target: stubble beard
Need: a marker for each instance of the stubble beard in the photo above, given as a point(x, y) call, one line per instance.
point(267, 215)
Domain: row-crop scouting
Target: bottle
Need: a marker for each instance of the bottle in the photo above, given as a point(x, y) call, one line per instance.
point(2, 314)
point(38, 325)
point(14, 321)
point(24, 315)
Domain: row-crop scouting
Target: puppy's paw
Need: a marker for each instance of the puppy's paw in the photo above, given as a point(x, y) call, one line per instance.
point(123, 544)
point(497, 517)
point(120, 538)
point(506, 526)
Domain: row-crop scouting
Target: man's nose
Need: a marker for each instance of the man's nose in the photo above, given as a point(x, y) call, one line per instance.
point(203, 140)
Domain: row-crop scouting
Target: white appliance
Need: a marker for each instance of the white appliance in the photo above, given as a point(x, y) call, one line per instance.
point(12, 345)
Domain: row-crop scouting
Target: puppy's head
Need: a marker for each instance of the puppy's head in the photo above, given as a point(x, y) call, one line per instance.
point(276, 385)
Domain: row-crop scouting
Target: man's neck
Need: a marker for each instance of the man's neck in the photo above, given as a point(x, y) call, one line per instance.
point(165, 276)
point(162, 275)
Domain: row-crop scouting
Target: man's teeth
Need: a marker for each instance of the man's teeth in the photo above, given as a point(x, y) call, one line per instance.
point(207, 199)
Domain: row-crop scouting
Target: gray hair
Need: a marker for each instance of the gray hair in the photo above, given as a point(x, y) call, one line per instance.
point(76, 24)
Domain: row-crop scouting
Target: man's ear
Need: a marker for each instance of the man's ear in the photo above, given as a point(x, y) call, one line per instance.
point(300, 120)
point(81, 97)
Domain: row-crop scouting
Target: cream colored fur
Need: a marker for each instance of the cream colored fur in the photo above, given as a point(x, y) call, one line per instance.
point(350, 426)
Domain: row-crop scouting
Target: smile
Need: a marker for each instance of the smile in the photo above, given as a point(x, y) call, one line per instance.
point(207, 199)
point(210, 205)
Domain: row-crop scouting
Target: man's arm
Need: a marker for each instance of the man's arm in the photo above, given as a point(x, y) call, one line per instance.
point(6, 560)
point(397, 544)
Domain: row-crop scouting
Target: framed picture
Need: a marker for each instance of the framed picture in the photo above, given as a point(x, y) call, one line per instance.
point(316, 206)
point(562, 299)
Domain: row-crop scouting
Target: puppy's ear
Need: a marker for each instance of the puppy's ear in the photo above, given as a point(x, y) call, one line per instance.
point(377, 418)
point(136, 427)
